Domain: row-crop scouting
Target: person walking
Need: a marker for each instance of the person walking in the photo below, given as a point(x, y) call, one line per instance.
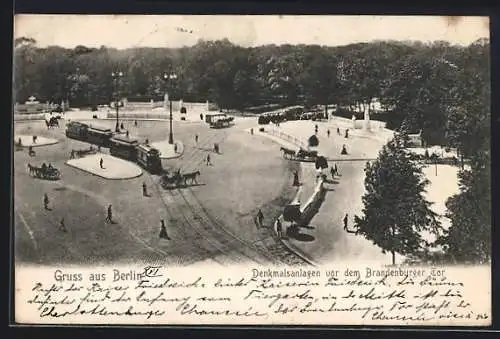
point(279, 229)
point(208, 160)
point(163, 230)
point(251, 131)
point(62, 226)
point(72, 155)
point(260, 218)
point(127, 134)
point(101, 162)
point(196, 139)
point(336, 169)
point(346, 220)
point(135, 123)
point(296, 179)
point(121, 126)
point(144, 189)
point(328, 133)
point(46, 202)
point(338, 131)
point(109, 217)
point(332, 172)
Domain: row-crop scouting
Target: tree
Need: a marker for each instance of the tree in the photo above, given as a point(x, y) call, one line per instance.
point(468, 240)
point(395, 212)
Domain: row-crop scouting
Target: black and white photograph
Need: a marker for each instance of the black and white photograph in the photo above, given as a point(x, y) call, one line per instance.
point(265, 140)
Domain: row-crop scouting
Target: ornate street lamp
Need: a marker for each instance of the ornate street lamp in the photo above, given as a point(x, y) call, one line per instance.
point(169, 78)
point(116, 76)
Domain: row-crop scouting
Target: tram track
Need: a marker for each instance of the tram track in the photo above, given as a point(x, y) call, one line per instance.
point(257, 251)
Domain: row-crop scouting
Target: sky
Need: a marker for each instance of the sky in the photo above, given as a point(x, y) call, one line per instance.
point(125, 31)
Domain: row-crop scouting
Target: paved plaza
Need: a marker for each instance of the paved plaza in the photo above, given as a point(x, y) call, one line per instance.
point(112, 167)
point(167, 150)
point(27, 140)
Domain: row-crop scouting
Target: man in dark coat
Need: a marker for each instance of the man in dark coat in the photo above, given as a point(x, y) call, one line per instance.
point(346, 220)
point(163, 231)
point(296, 179)
point(109, 217)
point(46, 201)
point(279, 229)
point(260, 218)
point(101, 163)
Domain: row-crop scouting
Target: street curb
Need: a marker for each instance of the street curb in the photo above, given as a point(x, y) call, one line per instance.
point(286, 243)
point(100, 176)
point(177, 155)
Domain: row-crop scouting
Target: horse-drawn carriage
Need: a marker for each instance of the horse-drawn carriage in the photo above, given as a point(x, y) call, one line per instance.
point(178, 180)
point(300, 155)
point(44, 172)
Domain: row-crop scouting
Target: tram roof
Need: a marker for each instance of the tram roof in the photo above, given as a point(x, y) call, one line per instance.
point(148, 148)
point(100, 128)
point(124, 140)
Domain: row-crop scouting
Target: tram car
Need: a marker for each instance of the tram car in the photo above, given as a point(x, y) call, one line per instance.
point(130, 149)
point(149, 158)
point(77, 130)
point(122, 147)
point(92, 134)
point(99, 136)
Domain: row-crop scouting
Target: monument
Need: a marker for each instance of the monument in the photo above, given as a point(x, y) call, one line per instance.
point(366, 124)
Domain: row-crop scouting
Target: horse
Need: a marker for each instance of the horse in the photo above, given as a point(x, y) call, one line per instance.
point(191, 176)
point(287, 152)
point(53, 121)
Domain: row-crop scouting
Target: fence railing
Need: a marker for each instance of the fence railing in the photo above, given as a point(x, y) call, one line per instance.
point(163, 116)
point(285, 136)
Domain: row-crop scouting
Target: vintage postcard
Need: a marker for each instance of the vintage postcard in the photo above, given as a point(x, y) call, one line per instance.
point(252, 170)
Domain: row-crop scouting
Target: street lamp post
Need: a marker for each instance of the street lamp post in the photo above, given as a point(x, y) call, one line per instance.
point(170, 77)
point(116, 76)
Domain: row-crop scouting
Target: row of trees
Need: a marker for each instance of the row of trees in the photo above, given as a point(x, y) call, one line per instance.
point(422, 83)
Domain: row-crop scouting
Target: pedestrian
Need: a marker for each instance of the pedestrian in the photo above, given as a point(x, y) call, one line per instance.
point(296, 179)
point(121, 126)
point(147, 141)
point(135, 123)
point(347, 133)
point(144, 189)
point(72, 155)
point(126, 134)
point(34, 139)
point(101, 163)
point(328, 133)
point(332, 172)
point(201, 116)
point(19, 143)
point(109, 217)
point(344, 150)
point(62, 226)
point(251, 131)
point(260, 218)
point(208, 160)
point(163, 230)
point(336, 169)
point(196, 139)
point(175, 148)
point(279, 229)
point(338, 131)
point(346, 219)
point(46, 201)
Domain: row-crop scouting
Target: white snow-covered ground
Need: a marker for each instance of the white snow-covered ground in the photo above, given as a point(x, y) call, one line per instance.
point(441, 187)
